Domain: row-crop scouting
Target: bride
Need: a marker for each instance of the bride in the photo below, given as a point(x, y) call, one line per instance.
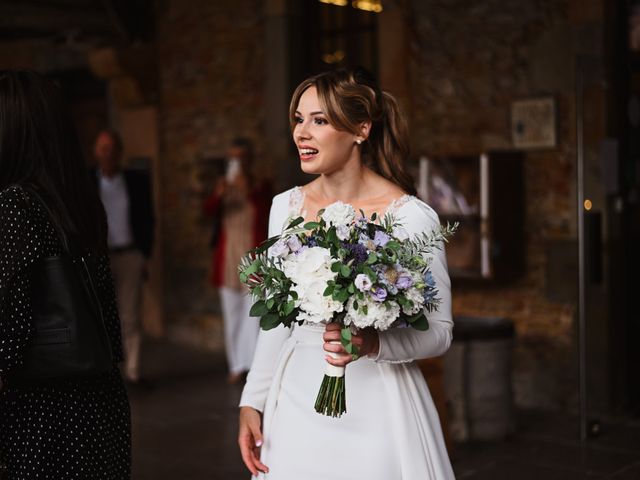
point(350, 134)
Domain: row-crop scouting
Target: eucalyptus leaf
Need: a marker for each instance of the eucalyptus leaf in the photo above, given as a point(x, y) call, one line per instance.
point(420, 323)
point(269, 321)
point(253, 268)
point(264, 246)
point(295, 222)
point(343, 296)
point(289, 307)
point(345, 271)
point(393, 245)
point(259, 309)
point(311, 225)
point(290, 318)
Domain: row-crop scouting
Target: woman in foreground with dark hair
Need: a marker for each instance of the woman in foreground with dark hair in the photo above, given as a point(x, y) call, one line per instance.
point(70, 427)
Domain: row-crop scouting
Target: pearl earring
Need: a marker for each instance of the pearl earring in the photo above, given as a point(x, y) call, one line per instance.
point(359, 142)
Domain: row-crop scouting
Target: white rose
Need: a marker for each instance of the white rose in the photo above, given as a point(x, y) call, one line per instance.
point(314, 306)
point(417, 298)
point(310, 271)
point(309, 265)
point(339, 213)
point(343, 232)
point(389, 313)
point(379, 315)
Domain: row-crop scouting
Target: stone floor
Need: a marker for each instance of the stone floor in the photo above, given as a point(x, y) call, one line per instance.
point(185, 428)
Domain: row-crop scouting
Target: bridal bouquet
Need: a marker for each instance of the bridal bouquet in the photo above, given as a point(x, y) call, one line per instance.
point(360, 272)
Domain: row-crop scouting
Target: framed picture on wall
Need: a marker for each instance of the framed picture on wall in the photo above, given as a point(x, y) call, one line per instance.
point(533, 123)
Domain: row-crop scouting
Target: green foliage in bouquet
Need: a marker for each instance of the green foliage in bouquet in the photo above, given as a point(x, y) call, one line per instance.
point(370, 277)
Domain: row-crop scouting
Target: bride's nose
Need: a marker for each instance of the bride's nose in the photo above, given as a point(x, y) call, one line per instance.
point(301, 132)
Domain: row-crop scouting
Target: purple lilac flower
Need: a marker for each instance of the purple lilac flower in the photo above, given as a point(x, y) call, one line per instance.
point(387, 276)
point(381, 238)
point(404, 281)
point(280, 248)
point(294, 243)
point(357, 252)
point(379, 294)
point(367, 242)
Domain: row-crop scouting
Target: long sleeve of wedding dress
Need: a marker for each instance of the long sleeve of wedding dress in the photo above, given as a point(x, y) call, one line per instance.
point(269, 342)
point(406, 344)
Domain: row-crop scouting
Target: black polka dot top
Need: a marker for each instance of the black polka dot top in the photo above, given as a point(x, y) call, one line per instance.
point(68, 429)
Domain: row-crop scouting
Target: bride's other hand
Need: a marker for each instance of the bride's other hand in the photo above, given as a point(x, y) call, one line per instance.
point(250, 440)
point(366, 341)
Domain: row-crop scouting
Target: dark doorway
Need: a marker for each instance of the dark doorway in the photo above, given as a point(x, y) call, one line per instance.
point(624, 205)
point(329, 35)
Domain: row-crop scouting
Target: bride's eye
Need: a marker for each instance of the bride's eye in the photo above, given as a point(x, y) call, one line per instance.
point(298, 119)
point(320, 121)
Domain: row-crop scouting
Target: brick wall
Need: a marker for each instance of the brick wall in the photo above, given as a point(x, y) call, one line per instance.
point(469, 60)
point(211, 63)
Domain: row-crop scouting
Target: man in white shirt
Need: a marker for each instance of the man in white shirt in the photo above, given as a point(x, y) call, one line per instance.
point(126, 196)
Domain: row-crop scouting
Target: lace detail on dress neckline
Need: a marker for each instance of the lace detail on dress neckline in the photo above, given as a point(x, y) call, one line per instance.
point(296, 203)
point(398, 203)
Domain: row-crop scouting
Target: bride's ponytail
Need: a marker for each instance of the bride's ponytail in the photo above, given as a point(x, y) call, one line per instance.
point(389, 144)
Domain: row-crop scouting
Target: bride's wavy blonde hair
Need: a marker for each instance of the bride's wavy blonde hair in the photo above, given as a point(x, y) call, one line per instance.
point(351, 97)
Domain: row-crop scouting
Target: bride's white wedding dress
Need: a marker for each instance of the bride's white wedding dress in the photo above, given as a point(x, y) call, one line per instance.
point(391, 429)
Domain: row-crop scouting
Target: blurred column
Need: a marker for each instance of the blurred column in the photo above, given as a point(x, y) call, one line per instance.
point(393, 48)
point(277, 94)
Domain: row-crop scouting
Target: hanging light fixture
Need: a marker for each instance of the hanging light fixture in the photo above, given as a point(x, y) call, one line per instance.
point(338, 3)
point(333, 58)
point(367, 5)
